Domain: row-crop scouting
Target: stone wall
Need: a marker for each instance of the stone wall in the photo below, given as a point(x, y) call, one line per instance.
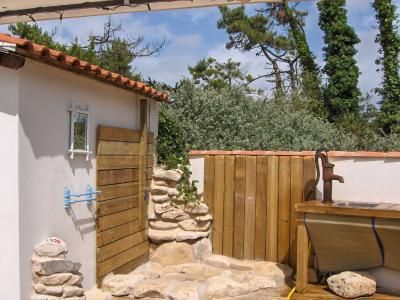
point(170, 219)
point(54, 276)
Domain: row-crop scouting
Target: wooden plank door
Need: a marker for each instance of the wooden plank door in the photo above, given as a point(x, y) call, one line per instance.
point(124, 169)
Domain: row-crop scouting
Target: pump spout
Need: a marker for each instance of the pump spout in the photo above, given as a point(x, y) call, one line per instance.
point(338, 178)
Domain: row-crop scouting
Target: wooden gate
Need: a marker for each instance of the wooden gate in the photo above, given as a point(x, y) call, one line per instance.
point(124, 169)
point(252, 199)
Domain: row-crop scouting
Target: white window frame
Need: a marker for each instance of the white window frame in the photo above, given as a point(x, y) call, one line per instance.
point(74, 110)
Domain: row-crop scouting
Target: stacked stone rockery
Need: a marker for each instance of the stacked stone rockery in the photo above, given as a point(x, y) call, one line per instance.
point(54, 276)
point(170, 218)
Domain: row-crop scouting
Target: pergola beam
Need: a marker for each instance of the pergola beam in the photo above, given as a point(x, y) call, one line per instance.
point(12, 11)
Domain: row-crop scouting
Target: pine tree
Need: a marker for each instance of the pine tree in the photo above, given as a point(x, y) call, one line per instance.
point(208, 72)
point(389, 40)
point(107, 50)
point(260, 33)
point(341, 94)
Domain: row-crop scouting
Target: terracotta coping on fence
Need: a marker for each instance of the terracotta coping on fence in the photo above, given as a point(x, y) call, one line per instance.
point(359, 154)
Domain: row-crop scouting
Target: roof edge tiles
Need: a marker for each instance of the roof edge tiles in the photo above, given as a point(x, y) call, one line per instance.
point(57, 58)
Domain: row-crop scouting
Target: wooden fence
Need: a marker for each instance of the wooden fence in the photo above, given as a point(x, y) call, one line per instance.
point(252, 200)
point(124, 168)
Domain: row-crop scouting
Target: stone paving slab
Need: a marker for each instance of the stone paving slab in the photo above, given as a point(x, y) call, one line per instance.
point(174, 272)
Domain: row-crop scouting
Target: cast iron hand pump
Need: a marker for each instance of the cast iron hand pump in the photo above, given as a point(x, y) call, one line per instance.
point(327, 175)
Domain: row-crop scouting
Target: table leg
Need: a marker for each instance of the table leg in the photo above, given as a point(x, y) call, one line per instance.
point(302, 258)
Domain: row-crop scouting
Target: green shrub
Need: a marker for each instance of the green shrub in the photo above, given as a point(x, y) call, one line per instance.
point(228, 119)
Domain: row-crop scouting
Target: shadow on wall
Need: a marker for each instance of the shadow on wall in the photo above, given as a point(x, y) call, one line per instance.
point(79, 163)
point(83, 225)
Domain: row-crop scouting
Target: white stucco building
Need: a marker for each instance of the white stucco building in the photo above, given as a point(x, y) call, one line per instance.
point(38, 87)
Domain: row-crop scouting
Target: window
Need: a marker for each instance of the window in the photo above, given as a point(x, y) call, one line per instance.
point(79, 131)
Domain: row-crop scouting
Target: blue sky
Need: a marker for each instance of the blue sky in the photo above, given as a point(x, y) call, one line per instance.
point(192, 34)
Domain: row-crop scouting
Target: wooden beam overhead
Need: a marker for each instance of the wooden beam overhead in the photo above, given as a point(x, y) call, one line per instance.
point(12, 11)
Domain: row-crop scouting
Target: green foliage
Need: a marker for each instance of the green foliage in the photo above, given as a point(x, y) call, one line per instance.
point(172, 152)
point(171, 147)
point(341, 95)
point(310, 71)
point(187, 189)
point(389, 41)
point(37, 35)
point(209, 73)
point(228, 119)
point(108, 50)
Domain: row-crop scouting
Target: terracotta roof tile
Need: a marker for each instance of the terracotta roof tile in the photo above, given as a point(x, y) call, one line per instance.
point(55, 57)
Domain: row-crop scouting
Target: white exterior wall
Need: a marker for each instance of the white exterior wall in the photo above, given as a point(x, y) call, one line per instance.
point(366, 179)
point(9, 217)
point(45, 167)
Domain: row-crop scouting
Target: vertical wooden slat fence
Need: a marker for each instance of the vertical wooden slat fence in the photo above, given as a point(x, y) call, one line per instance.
point(252, 199)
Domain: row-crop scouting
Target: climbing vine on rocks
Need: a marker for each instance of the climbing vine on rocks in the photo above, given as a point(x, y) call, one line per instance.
point(341, 94)
point(389, 62)
point(172, 153)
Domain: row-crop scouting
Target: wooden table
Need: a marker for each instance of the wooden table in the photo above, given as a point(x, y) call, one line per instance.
point(383, 210)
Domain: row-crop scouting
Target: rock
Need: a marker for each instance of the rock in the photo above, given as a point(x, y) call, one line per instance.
point(183, 217)
point(225, 262)
point(48, 290)
point(194, 208)
point(258, 282)
point(190, 235)
point(278, 272)
point(161, 225)
point(160, 198)
point(120, 292)
point(202, 249)
point(120, 285)
point(159, 236)
point(150, 270)
point(59, 279)
point(352, 285)
point(219, 261)
point(173, 192)
point(49, 266)
point(148, 289)
point(127, 297)
point(73, 291)
point(192, 225)
point(51, 247)
point(161, 183)
point(159, 190)
point(207, 217)
point(173, 214)
point(169, 175)
point(186, 290)
point(35, 296)
point(162, 208)
point(190, 272)
point(172, 253)
point(221, 286)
